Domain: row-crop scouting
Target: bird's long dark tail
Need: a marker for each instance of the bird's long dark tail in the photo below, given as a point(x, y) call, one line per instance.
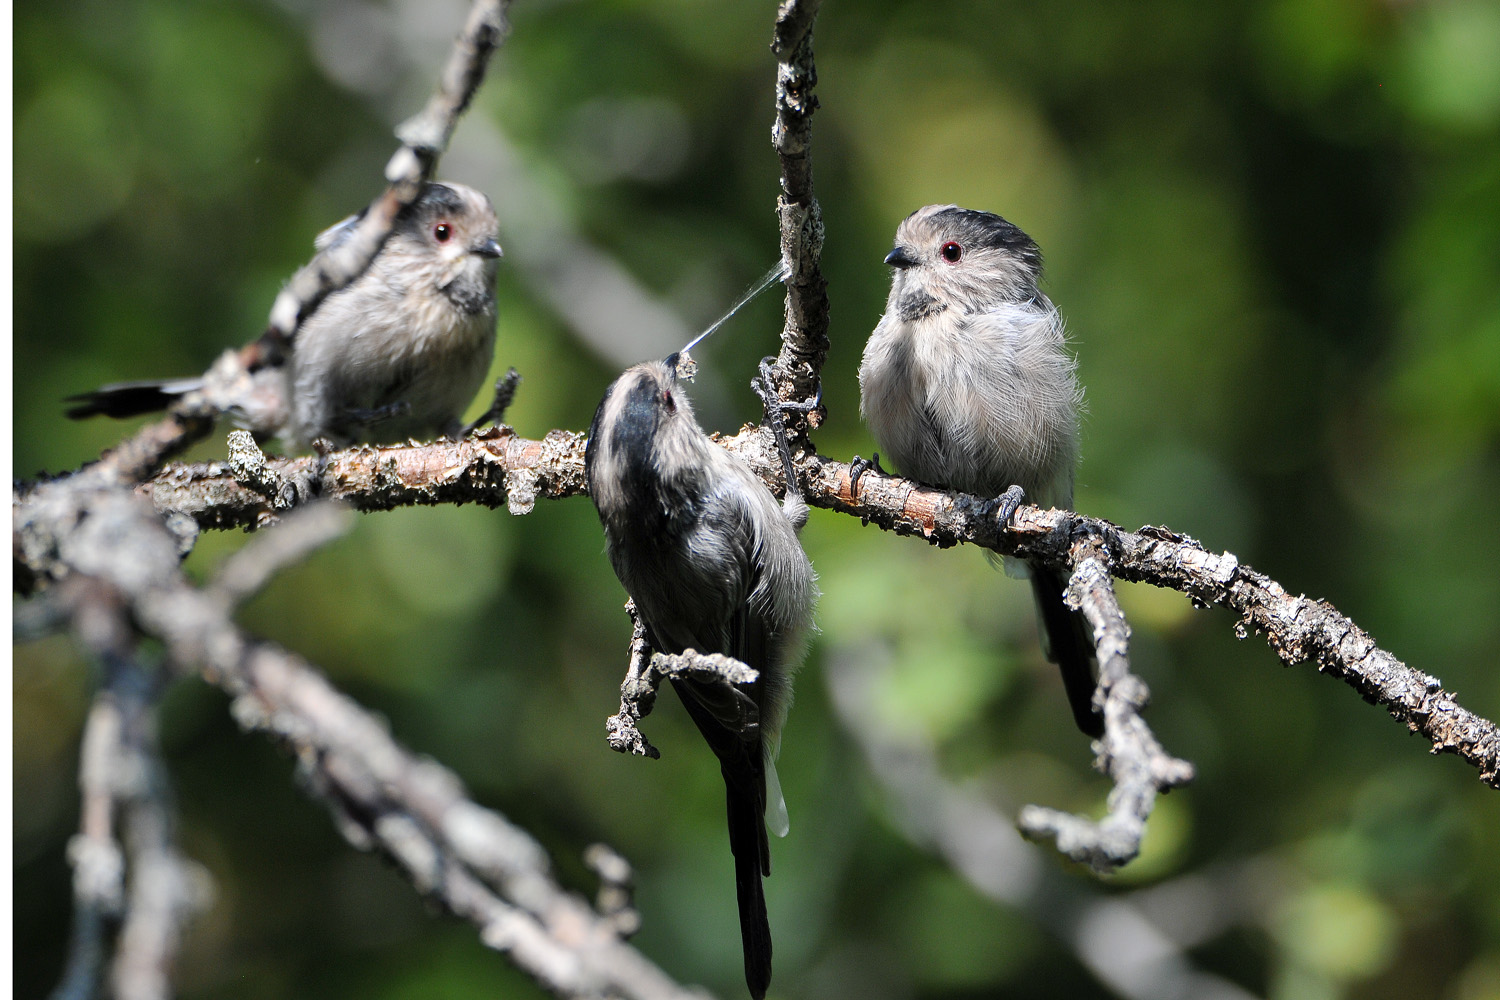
point(130, 399)
point(1069, 643)
point(743, 764)
point(745, 799)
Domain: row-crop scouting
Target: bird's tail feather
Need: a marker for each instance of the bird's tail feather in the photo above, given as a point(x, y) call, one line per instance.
point(742, 761)
point(129, 399)
point(752, 861)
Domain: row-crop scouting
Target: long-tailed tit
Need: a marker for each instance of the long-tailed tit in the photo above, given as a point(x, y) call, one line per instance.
point(399, 352)
point(967, 384)
point(714, 565)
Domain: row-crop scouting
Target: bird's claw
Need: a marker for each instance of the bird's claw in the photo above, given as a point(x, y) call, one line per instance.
point(505, 393)
point(859, 466)
point(1007, 503)
point(765, 387)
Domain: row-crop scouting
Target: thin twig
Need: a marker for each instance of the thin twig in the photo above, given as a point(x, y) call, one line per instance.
point(95, 854)
point(645, 674)
point(1128, 751)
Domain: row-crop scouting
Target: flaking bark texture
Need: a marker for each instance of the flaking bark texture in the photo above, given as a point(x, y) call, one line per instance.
point(486, 470)
point(493, 468)
point(804, 338)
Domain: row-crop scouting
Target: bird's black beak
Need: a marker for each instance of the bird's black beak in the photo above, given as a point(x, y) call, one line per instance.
point(489, 248)
point(899, 258)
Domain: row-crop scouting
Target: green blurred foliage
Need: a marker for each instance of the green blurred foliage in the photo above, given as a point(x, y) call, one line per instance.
point(1275, 231)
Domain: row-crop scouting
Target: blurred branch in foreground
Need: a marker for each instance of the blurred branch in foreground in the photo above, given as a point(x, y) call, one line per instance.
point(144, 891)
point(468, 859)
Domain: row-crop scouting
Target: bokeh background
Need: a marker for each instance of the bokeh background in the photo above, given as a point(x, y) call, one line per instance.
point(1274, 228)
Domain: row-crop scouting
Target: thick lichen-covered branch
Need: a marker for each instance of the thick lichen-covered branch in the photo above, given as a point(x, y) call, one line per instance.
point(494, 468)
point(491, 468)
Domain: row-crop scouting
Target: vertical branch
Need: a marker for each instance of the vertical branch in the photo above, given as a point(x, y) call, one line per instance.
point(165, 888)
point(98, 863)
point(804, 339)
point(637, 694)
point(122, 783)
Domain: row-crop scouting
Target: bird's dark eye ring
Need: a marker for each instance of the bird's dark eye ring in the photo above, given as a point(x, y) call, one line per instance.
point(666, 398)
point(952, 252)
point(442, 232)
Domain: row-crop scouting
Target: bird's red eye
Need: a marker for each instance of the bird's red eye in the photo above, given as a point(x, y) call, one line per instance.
point(666, 399)
point(442, 232)
point(951, 252)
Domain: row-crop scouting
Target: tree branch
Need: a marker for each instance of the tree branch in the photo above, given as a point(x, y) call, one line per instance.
point(469, 859)
point(1128, 752)
point(804, 338)
point(501, 468)
point(121, 777)
point(645, 674)
point(494, 468)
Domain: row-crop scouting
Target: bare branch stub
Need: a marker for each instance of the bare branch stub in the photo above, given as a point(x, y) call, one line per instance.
point(1128, 752)
point(505, 394)
point(804, 337)
point(646, 672)
point(616, 896)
